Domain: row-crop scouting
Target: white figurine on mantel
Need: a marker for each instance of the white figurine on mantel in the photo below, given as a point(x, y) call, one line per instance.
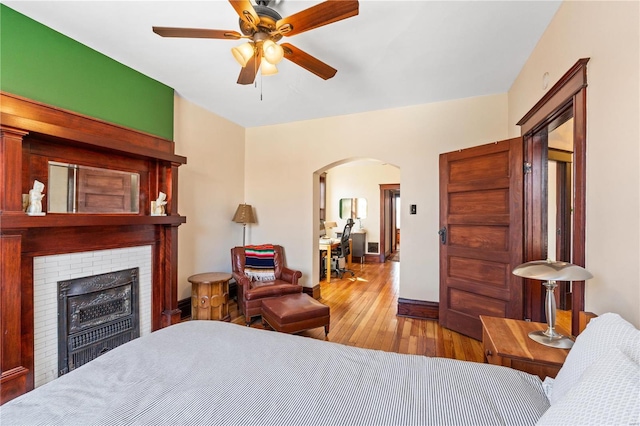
point(157, 206)
point(35, 199)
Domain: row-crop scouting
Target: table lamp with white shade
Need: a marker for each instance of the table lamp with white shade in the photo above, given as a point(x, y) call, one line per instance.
point(551, 271)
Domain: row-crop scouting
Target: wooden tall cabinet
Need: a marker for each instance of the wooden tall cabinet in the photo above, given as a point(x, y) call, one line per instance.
point(32, 135)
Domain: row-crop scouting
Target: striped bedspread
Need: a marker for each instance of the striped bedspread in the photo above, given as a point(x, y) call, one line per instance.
point(215, 373)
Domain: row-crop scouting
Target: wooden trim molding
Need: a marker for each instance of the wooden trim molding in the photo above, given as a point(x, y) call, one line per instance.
point(185, 308)
point(31, 135)
point(569, 93)
point(13, 383)
point(373, 258)
point(35, 117)
point(419, 309)
point(560, 94)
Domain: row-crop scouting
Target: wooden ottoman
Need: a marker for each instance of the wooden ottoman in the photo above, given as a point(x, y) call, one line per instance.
point(294, 313)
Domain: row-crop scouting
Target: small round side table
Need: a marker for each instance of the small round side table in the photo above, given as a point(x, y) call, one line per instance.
point(210, 296)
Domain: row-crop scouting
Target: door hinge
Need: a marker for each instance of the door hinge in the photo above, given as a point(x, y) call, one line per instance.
point(527, 167)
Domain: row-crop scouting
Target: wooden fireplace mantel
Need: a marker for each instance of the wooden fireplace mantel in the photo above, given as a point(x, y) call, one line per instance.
point(31, 134)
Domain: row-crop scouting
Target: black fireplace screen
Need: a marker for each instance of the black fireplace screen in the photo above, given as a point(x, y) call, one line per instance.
point(95, 315)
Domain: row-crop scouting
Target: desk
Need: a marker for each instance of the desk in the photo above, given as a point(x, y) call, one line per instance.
point(327, 248)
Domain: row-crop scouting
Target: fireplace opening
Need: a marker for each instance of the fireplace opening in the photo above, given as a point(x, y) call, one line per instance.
point(95, 315)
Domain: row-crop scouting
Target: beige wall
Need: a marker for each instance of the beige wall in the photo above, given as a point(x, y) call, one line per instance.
point(359, 180)
point(608, 33)
point(211, 187)
point(282, 163)
point(278, 172)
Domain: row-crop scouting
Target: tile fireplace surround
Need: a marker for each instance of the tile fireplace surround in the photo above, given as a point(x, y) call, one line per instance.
point(48, 270)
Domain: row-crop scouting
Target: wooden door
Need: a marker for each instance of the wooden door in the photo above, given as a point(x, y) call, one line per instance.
point(387, 219)
point(481, 235)
point(394, 222)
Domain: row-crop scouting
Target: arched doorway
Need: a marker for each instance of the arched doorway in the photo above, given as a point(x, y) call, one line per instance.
point(352, 179)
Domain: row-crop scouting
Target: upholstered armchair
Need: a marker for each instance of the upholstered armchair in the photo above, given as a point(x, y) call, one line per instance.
point(253, 287)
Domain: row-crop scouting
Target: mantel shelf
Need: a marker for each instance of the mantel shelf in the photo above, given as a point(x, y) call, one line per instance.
point(52, 220)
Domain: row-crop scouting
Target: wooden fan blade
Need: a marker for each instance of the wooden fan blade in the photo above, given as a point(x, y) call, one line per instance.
point(308, 62)
point(196, 33)
point(247, 13)
point(316, 16)
point(249, 71)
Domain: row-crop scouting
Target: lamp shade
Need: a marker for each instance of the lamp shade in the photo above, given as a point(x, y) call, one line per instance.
point(268, 69)
point(244, 214)
point(272, 52)
point(243, 53)
point(552, 270)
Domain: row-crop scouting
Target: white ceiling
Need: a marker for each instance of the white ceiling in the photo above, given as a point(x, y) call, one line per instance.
point(393, 54)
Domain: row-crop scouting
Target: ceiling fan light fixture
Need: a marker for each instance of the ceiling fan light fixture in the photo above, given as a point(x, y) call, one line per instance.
point(272, 52)
point(243, 53)
point(268, 68)
point(263, 27)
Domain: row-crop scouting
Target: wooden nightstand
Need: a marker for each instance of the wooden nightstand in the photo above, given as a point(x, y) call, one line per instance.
point(506, 342)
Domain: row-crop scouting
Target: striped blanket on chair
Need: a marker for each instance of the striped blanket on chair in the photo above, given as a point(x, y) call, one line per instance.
point(259, 264)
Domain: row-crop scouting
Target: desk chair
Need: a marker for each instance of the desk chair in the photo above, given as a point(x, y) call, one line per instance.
point(339, 256)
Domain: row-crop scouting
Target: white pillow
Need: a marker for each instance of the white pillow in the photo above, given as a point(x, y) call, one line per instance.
point(603, 333)
point(607, 394)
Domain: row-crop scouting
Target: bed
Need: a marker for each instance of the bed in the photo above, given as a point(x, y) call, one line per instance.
point(210, 372)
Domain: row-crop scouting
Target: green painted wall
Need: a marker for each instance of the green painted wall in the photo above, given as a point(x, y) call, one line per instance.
point(41, 64)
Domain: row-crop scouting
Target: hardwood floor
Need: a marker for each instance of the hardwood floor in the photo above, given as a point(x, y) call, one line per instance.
point(363, 314)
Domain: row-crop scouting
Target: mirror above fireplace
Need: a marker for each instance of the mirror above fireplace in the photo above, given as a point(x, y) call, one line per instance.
point(81, 189)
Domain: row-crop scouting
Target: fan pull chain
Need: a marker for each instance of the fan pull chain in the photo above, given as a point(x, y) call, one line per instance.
point(256, 83)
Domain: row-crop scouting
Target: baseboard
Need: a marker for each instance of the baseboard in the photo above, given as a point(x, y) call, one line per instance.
point(185, 307)
point(373, 258)
point(419, 309)
point(312, 291)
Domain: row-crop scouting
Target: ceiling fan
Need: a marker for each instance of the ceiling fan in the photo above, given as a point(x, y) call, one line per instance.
point(264, 27)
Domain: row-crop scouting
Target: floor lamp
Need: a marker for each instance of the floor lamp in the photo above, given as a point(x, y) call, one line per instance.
point(551, 271)
point(244, 215)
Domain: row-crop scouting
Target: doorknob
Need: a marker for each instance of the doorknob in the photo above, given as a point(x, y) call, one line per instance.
point(443, 235)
